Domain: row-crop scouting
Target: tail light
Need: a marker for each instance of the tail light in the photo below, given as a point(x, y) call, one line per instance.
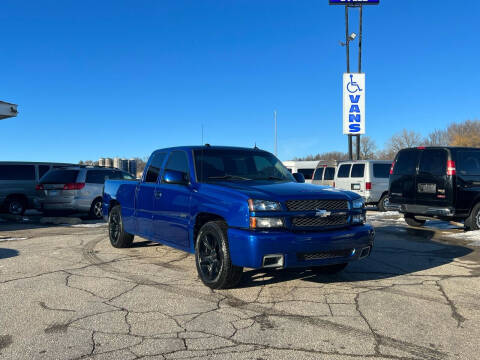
point(451, 169)
point(74, 186)
point(368, 186)
point(392, 167)
point(39, 187)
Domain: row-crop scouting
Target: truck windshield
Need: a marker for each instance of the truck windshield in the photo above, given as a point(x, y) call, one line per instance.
point(238, 165)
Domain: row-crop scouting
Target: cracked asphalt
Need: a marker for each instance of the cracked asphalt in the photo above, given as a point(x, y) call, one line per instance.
point(65, 293)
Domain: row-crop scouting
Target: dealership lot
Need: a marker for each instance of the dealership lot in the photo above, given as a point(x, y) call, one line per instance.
point(65, 293)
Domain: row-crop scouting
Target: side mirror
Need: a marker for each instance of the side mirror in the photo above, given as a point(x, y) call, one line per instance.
point(299, 177)
point(175, 177)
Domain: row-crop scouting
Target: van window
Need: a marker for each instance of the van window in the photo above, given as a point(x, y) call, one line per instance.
point(42, 170)
point(406, 163)
point(468, 162)
point(318, 174)
point(60, 177)
point(433, 162)
point(381, 171)
point(329, 173)
point(98, 176)
point(344, 171)
point(154, 168)
point(358, 170)
point(17, 172)
point(307, 173)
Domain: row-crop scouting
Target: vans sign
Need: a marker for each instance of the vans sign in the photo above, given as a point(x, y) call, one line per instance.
point(353, 104)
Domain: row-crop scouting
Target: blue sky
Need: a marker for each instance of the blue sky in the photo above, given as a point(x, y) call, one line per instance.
point(122, 78)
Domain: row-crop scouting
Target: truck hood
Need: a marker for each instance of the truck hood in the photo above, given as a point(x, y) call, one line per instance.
point(282, 191)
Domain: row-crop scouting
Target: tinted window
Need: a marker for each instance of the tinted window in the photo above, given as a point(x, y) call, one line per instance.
point(318, 174)
point(344, 171)
point(433, 162)
point(239, 165)
point(468, 162)
point(329, 173)
point(42, 170)
point(307, 173)
point(154, 168)
point(60, 177)
point(178, 162)
point(358, 170)
point(17, 172)
point(381, 170)
point(406, 163)
point(98, 176)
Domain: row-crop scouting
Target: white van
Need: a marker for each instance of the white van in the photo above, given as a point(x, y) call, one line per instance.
point(306, 168)
point(368, 178)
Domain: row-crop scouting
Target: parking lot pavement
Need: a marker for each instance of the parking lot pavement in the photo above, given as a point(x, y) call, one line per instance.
point(65, 293)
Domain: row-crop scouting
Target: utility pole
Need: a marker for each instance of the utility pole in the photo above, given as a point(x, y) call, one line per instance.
point(275, 142)
point(360, 66)
point(347, 45)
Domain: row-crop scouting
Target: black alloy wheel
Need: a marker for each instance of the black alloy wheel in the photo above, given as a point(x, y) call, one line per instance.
point(118, 237)
point(209, 254)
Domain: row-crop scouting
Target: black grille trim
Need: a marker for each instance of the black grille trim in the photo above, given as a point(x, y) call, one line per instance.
point(324, 255)
point(315, 222)
point(312, 205)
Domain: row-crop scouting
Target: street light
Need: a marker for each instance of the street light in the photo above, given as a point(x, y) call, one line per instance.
point(351, 37)
point(7, 110)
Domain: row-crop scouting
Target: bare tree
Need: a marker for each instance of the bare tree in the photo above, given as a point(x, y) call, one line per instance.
point(402, 140)
point(465, 134)
point(367, 148)
point(437, 138)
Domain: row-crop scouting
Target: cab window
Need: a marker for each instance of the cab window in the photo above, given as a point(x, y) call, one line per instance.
point(154, 168)
point(344, 171)
point(178, 162)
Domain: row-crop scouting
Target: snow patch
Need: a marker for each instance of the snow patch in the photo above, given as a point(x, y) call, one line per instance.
point(12, 238)
point(472, 236)
point(96, 225)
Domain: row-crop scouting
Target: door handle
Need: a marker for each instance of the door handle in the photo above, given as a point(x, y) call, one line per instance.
point(157, 194)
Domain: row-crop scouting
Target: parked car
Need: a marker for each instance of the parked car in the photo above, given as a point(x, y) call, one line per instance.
point(236, 208)
point(437, 182)
point(17, 184)
point(306, 168)
point(325, 173)
point(368, 178)
point(75, 189)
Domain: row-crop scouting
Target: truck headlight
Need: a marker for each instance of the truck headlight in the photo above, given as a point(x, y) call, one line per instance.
point(265, 223)
point(358, 203)
point(264, 205)
point(358, 219)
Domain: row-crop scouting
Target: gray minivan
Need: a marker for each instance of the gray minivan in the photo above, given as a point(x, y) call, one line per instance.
point(17, 184)
point(76, 189)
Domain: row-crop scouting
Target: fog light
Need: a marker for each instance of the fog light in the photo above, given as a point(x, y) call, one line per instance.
point(358, 219)
point(265, 223)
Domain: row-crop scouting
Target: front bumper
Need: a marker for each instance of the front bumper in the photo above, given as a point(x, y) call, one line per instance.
point(248, 248)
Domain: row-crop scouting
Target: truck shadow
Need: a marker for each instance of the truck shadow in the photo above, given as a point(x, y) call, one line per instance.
point(397, 251)
point(8, 253)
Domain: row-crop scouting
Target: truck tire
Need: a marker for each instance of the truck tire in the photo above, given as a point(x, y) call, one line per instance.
point(383, 203)
point(212, 257)
point(413, 221)
point(330, 269)
point(15, 205)
point(96, 209)
point(473, 221)
point(118, 237)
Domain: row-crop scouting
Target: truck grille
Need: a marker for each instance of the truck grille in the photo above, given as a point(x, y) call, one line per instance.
point(312, 222)
point(312, 205)
point(323, 255)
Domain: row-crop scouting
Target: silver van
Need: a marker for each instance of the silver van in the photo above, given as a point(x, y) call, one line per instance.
point(325, 173)
point(76, 189)
point(17, 184)
point(368, 178)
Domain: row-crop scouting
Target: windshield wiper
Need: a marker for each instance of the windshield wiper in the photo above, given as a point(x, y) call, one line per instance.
point(226, 176)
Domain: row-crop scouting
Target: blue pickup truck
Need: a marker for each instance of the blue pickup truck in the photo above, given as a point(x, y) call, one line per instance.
point(236, 208)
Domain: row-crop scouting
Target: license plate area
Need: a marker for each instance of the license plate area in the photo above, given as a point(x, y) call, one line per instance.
point(427, 188)
point(52, 192)
point(356, 187)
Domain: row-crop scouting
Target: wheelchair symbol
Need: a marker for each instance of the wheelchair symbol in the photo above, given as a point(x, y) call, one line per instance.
point(352, 86)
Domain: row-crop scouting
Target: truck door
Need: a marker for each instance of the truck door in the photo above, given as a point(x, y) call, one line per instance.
point(172, 204)
point(145, 196)
point(431, 184)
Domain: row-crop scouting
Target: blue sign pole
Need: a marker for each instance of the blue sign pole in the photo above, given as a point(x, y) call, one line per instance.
point(354, 2)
